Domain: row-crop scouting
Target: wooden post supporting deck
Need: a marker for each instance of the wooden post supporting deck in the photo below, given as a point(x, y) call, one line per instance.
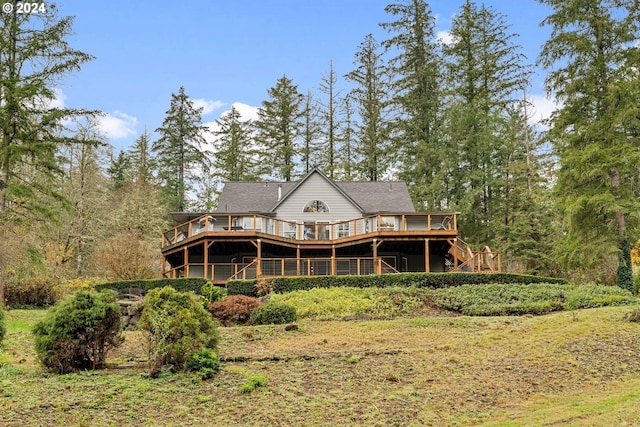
point(186, 261)
point(259, 260)
point(333, 260)
point(427, 266)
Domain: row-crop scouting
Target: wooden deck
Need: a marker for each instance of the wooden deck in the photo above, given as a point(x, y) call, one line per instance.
point(224, 226)
point(259, 234)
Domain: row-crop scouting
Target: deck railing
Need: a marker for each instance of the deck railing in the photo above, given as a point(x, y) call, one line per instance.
point(312, 230)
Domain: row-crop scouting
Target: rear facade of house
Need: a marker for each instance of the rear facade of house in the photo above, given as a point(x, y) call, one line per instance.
point(316, 227)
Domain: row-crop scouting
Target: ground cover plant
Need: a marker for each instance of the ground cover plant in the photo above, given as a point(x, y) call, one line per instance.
point(516, 299)
point(347, 302)
point(474, 300)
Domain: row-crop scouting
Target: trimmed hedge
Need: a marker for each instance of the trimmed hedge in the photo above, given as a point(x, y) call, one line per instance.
point(194, 285)
point(419, 280)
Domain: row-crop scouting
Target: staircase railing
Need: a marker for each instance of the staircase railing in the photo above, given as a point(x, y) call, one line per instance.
point(464, 259)
point(246, 272)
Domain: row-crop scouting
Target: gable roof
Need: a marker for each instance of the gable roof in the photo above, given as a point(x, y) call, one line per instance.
point(300, 183)
point(368, 197)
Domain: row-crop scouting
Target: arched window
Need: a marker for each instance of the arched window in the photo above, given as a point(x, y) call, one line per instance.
point(316, 206)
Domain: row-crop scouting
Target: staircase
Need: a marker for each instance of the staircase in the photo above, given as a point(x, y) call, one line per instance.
point(464, 259)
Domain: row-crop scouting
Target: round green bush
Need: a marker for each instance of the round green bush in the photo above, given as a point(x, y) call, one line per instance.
point(205, 362)
point(78, 332)
point(273, 313)
point(176, 325)
point(212, 293)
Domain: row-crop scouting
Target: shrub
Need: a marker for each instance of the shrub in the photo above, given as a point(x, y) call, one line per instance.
point(31, 292)
point(205, 362)
point(212, 293)
point(624, 275)
point(273, 313)
point(77, 333)
point(419, 280)
point(234, 310)
point(176, 325)
point(184, 284)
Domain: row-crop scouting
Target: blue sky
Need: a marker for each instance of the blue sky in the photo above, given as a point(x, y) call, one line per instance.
point(228, 52)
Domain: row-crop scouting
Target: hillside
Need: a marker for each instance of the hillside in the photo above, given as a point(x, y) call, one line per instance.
point(568, 368)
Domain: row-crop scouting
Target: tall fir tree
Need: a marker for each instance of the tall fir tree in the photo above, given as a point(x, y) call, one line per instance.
point(330, 122)
point(235, 156)
point(592, 61)
point(370, 96)
point(179, 150)
point(279, 127)
point(141, 160)
point(347, 158)
point(311, 149)
point(486, 75)
point(527, 228)
point(417, 68)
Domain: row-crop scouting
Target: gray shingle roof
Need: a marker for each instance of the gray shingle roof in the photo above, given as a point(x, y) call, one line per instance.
point(380, 196)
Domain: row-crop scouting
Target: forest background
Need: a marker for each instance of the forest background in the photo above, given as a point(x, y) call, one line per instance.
point(450, 117)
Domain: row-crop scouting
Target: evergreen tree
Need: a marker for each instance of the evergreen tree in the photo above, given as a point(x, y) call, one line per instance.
point(34, 58)
point(311, 156)
point(119, 170)
point(486, 75)
point(279, 128)
point(140, 159)
point(235, 157)
point(371, 98)
point(416, 91)
point(592, 58)
point(330, 122)
point(527, 227)
point(347, 158)
point(179, 151)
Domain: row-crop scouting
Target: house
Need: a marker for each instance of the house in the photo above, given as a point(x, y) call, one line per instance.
point(316, 226)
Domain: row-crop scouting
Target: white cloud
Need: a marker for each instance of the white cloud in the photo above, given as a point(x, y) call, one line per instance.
point(543, 107)
point(117, 125)
point(207, 106)
point(58, 100)
point(247, 112)
point(445, 37)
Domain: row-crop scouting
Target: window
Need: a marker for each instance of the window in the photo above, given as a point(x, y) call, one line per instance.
point(316, 206)
point(344, 230)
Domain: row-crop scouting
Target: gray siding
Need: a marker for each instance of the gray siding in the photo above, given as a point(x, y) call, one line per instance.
point(317, 188)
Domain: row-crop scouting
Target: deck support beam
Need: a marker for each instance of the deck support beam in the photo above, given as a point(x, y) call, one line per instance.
point(333, 260)
point(259, 258)
point(427, 263)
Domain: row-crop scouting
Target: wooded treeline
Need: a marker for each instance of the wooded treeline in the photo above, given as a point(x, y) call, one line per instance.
point(452, 119)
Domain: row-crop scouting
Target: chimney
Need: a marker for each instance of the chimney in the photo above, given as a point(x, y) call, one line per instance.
point(279, 192)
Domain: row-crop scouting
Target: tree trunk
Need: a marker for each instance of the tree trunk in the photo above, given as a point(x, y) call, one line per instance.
point(619, 215)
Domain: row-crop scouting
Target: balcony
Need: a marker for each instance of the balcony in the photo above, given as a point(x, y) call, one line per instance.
point(250, 225)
